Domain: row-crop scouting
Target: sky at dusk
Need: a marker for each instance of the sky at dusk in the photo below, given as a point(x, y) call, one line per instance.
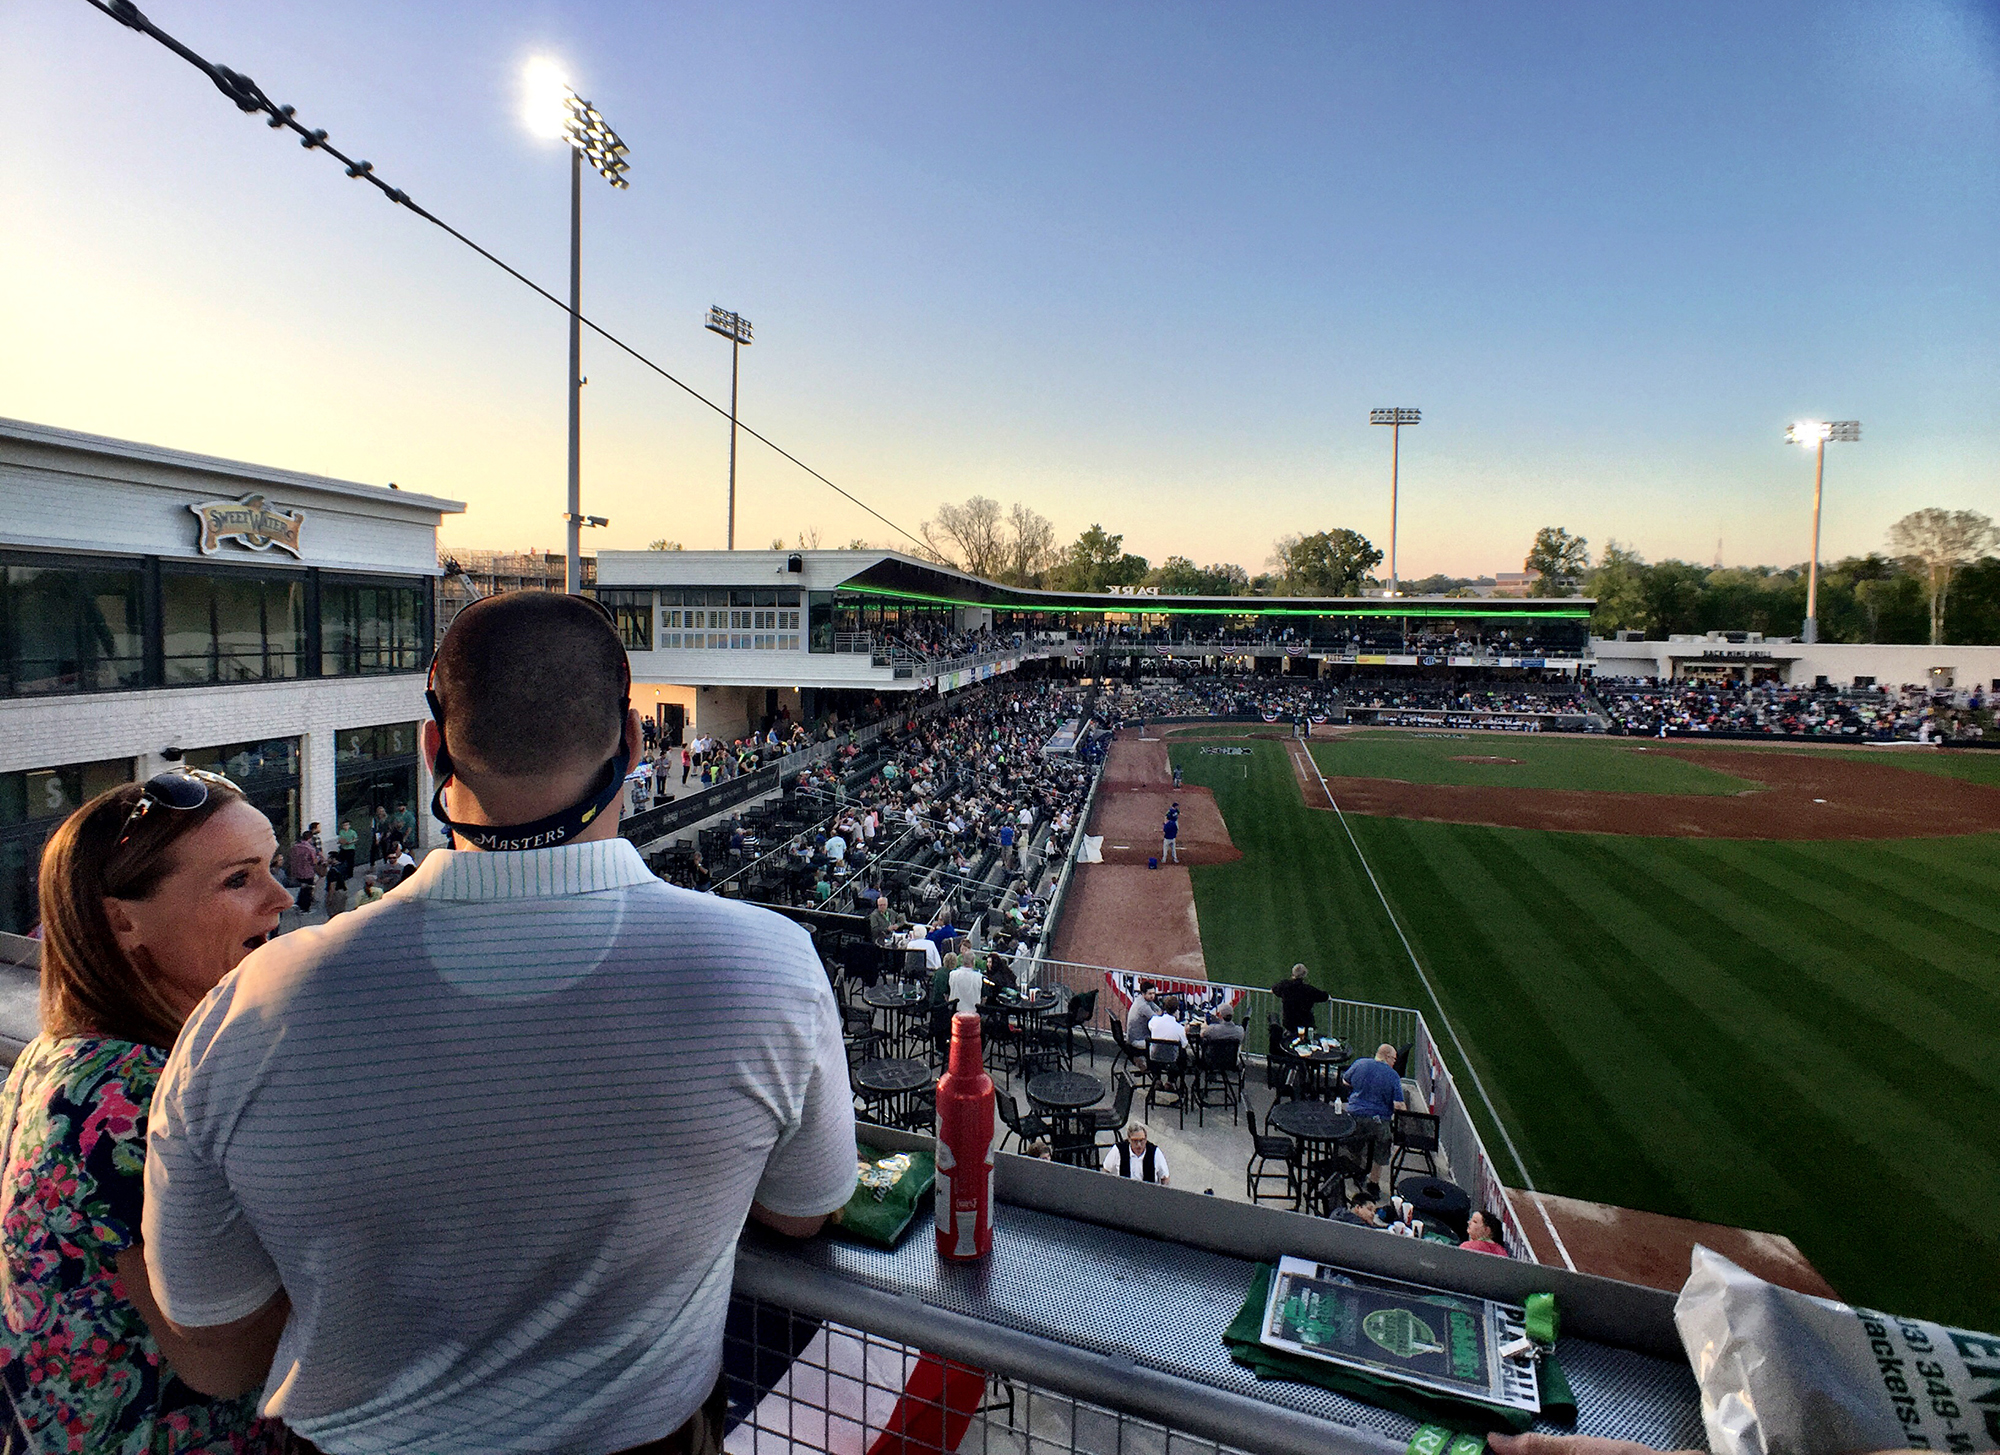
point(1145, 264)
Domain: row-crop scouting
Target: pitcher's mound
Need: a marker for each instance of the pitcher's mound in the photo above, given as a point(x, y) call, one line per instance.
point(1485, 758)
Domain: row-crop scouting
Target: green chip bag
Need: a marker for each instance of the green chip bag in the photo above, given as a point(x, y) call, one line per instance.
point(887, 1188)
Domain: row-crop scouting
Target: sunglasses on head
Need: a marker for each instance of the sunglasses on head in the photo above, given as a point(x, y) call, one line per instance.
point(180, 789)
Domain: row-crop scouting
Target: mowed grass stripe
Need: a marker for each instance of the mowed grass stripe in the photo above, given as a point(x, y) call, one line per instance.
point(1817, 940)
point(1788, 1035)
point(1836, 1047)
point(1538, 1019)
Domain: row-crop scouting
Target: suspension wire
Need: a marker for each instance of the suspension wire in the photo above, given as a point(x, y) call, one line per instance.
point(249, 98)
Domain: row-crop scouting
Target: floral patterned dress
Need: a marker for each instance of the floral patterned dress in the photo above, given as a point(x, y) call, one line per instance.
point(78, 1367)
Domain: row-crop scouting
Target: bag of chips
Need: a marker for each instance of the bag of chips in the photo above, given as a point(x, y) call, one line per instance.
point(1784, 1373)
point(887, 1188)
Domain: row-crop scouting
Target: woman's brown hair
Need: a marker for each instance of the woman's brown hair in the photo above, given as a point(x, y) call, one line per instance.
point(89, 985)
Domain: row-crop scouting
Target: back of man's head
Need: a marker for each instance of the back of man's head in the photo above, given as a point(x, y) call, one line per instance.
point(533, 684)
point(1298, 972)
point(1386, 1055)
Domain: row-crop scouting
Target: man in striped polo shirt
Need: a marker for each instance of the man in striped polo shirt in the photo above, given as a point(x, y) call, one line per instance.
point(494, 1137)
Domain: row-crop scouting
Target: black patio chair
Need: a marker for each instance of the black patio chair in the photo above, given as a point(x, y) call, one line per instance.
point(864, 1042)
point(1025, 1129)
point(1413, 1134)
point(1219, 1084)
point(1280, 1067)
point(1266, 1148)
point(1167, 1075)
point(1077, 1016)
point(1113, 1119)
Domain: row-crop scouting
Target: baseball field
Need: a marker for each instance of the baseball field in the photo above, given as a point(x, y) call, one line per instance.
point(1745, 985)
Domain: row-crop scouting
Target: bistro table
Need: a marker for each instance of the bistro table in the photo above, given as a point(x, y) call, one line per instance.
point(1319, 1069)
point(1064, 1096)
point(904, 1003)
point(890, 1085)
point(1022, 1011)
point(1318, 1129)
point(1437, 1201)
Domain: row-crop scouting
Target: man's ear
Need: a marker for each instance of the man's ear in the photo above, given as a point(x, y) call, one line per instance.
point(432, 739)
point(635, 737)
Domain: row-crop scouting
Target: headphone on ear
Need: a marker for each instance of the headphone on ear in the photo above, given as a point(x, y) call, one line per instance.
point(557, 828)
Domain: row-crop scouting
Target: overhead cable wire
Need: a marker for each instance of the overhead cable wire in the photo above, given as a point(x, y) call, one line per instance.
point(250, 99)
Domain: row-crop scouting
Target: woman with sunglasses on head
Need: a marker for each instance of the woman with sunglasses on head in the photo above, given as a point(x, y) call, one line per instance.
point(150, 896)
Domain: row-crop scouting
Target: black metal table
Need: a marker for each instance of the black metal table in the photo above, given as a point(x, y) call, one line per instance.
point(907, 1008)
point(889, 1086)
point(1437, 1200)
point(1021, 1012)
point(1064, 1096)
point(1319, 1071)
point(1318, 1129)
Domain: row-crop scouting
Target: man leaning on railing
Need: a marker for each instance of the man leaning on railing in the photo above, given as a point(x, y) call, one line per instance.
point(494, 1136)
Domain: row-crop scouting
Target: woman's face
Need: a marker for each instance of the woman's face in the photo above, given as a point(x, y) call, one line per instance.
point(217, 904)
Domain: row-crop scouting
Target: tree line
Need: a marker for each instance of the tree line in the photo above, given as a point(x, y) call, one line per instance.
point(1938, 580)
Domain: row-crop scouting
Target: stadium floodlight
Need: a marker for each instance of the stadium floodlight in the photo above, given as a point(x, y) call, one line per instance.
point(1395, 419)
point(1815, 433)
point(551, 109)
point(736, 328)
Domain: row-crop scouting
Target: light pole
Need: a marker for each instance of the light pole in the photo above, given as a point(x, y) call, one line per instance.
point(1395, 419)
point(736, 328)
point(554, 110)
point(1816, 432)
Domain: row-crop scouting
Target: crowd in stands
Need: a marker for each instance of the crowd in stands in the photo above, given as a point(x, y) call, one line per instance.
point(1325, 637)
point(1180, 693)
point(1649, 708)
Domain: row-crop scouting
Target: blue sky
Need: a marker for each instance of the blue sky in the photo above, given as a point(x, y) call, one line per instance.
point(1148, 265)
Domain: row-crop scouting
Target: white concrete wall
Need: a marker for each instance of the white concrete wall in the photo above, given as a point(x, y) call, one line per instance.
point(56, 497)
point(1839, 662)
point(47, 732)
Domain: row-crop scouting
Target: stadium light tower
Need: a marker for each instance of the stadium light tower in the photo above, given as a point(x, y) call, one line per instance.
point(736, 328)
point(1395, 419)
point(553, 110)
point(1815, 433)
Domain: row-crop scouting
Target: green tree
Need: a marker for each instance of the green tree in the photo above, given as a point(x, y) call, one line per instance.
point(1325, 563)
point(1097, 560)
point(1616, 584)
point(1179, 576)
point(663, 544)
point(1561, 558)
point(1671, 591)
point(1974, 614)
point(1936, 543)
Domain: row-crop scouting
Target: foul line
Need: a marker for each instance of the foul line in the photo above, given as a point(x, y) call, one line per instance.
point(1465, 1060)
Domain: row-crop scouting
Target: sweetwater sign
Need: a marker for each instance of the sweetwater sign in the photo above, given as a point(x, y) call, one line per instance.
point(249, 522)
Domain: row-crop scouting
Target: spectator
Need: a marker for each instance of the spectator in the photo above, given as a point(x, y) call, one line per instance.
point(371, 890)
point(1141, 1013)
point(350, 844)
point(1375, 1094)
point(403, 864)
point(1039, 1149)
point(149, 895)
point(1222, 1027)
point(304, 861)
point(336, 892)
point(430, 1206)
point(881, 924)
point(1482, 1234)
point(1137, 1156)
point(1166, 1026)
point(1296, 1000)
point(968, 986)
point(1363, 1211)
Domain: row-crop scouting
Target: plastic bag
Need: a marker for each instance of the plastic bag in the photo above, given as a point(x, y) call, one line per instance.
point(887, 1188)
point(1784, 1373)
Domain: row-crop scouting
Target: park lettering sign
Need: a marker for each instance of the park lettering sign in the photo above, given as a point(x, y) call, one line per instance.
point(249, 522)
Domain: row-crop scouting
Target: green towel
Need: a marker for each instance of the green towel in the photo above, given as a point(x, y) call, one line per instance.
point(1247, 1349)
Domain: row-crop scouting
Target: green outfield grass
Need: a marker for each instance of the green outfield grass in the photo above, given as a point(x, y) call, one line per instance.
point(1797, 1037)
point(1599, 765)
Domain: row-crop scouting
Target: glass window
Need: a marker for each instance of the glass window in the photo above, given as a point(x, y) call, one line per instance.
point(70, 629)
point(231, 628)
point(366, 629)
point(820, 614)
point(32, 805)
point(633, 613)
point(268, 774)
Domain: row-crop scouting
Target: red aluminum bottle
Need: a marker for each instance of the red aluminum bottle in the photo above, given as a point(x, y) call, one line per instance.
point(965, 1128)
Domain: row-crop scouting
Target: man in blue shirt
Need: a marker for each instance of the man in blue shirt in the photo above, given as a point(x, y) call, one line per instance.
point(1375, 1093)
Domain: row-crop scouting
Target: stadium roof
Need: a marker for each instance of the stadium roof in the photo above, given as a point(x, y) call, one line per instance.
point(907, 578)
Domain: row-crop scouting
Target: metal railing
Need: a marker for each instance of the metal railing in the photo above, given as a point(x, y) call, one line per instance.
point(1359, 1025)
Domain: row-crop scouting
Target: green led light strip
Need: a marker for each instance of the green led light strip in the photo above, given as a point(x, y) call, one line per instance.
point(1114, 604)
